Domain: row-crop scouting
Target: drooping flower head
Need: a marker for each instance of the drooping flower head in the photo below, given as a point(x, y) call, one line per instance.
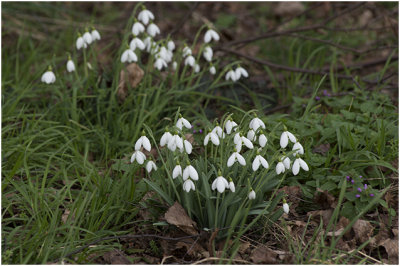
point(48, 77)
point(211, 35)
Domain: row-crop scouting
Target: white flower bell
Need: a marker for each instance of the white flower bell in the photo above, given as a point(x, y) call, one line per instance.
point(231, 185)
point(285, 207)
point(190, 61)
point(252, 195)
point(95, 35)
point(212, 70)
point(177, 171)
point(297, 164)
point(171, 45)
point(144, 142)
point(145, 16)
point(150, 166)
point(188, 185)
point(165, 138)
point(255, 123)
point(236, 157)
point(48, 77)
point(240, 71)
point(160, 63)
point(214, 138)
point(80, 42)
point(280, 168)
point(230, 125)
point(298, 148)
point(191, 172)
point(211, 35)
point(208, 53)
point(137, 43)
point(262, 140)
point(285, 137)
point(128, 56)
point(138, 156)
point(137, 28)
point(183, 122)
point(87, 37)
point(70, 65)
point(187, 51)
point(153, 30)
point(259, 160)
point(220, 183)
point(230, 75)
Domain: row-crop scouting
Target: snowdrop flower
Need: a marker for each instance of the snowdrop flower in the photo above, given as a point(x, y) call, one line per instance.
point(255, 123)
point(187, 51)
point(148, 43)
point(286, 162)
point(188, 185)
point(259, 160)
point(95, 35)
point(214, 138)
point(298, 148)
point(174, 65)
point(188, 146)
point(183, 122)
point(231, 185)
point(285, 207)
point(220, 183)
point(137, 28)
point(286, 135)
point(177, 171)
point(48, 77)
point(238, 139)
point(165, 138)
point(165, 54)
point(280, 168)
point(128, 56)
point(138, 156)
point(145, 16)
point(196, 68)
point(229, 125)
point(160, 63)
point(175, 142)
point(218, 130)
point(136, 42)
point(150, 166)
point(190, 172)
point(297, 164)
point(230, 75)
point(236, 157)
point(240, 71)
point(80, 42)
point(262, 140)
point(153, 30)
point(252, 195)
point(144, 142)
point(171, 45)
point(212, 70)
point(208, 53)
point(251, 135)
point(87, 37)
point(190, 61)
point(210, 35)
point(70, 65)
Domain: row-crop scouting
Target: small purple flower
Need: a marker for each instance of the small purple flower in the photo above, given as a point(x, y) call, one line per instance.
point(360, 176)
point(317, 98)
point(194, 131)
point(358, 195)
point(352, 181)
point(198, 124)
point(200, 131)
point(365, 186)
point(372, 194)
point(348, 178)
point(359, 189)
point(326, 93)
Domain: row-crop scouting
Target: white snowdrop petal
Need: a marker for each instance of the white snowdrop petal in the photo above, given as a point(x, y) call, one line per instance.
point(206, 139)
point(286, 208)
point(220, 185)
point(148, 167)
point(193, 173)
point(231, 160)
point(264, 162)
point(186, 123)
point(188, 146)
point(247, 142)
point(251, 135)
point(262, 140)
point(232, 186)
point(186, 173)
point(303, 164)
point(291, 137)
point(138, 144)
point(240, 159)
point(256, 164)
point(286, 162)
point(207, 37)
point(280, 168)
point(214, 139)
point(298, 148)
point(70, 66)
point(252, 195)
point(146, 143)
point(284, 140)
point(177, 171)
point(140, 157)
point(237, 138)
point(296, 167)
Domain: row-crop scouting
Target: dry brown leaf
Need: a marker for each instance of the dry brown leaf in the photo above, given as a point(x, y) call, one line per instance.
point(177, 216)
point(324, 214)
point(129, 77)
point(115, 257)
point(264, 255)
point(325, 199)
point(66, 215)
point(363, 230)
point(192, 247)
point(322, 149)
point(244, 248)
point(294, 195)
point(392, 249)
